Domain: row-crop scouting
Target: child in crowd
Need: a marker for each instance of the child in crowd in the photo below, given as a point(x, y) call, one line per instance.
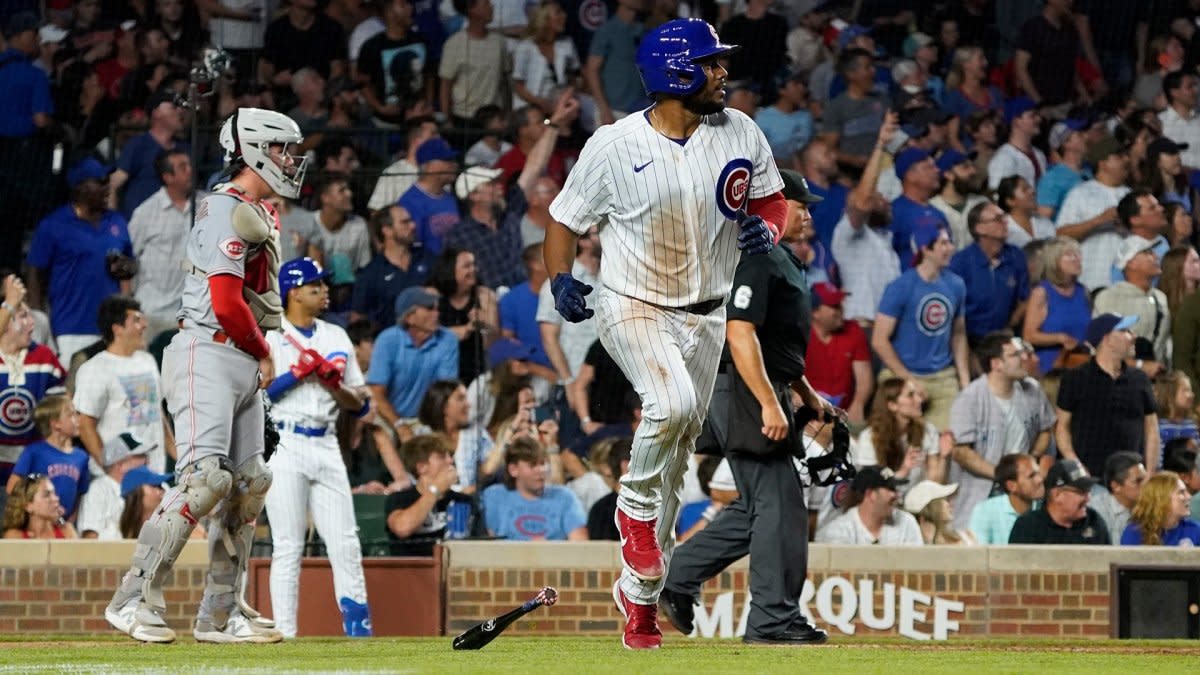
point(56, 457)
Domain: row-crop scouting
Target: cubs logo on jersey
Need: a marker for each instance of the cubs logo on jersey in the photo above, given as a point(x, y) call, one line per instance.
point(934, 314)
point(733, 186)
point(16, 411)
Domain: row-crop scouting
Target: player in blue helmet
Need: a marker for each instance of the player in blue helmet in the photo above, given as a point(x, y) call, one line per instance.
point(679, 58)
point(296, 273)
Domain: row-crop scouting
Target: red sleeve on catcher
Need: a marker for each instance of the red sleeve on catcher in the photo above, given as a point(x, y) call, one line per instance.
point(773, 209)
point(235, 315)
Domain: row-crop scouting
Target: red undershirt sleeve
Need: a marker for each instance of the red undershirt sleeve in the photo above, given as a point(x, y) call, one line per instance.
point(773, 209)
point(235, 316)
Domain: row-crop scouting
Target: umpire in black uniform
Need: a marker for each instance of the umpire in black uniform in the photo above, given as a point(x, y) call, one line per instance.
point(750, 419)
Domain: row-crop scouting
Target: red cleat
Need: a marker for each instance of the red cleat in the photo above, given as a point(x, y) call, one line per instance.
point(639, 547)
point(641, 622)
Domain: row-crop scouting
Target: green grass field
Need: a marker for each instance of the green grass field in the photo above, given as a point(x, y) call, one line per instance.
point(596, 655)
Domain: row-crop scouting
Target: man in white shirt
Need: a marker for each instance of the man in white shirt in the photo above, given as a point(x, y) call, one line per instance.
point(1018, 156)
point(118, 390)
point(1089, 213)
point(872, 516)
point(101, 506)
point(1180, 122)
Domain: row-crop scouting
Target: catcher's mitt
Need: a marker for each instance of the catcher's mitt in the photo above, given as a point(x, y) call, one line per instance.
point(270, 435)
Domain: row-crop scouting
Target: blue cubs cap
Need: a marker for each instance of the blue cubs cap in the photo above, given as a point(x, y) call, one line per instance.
point(849, 33)
point(142, 475)
point(414, 296)
point(506, 349)
point(435, 149)
point(907, 158)
point(1015, 107)
point(951, 158)
point(87, 169)
point(924, 234)
point(1107, 323)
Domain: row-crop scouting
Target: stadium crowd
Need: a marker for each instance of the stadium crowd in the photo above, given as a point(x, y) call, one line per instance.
point(1004, 267)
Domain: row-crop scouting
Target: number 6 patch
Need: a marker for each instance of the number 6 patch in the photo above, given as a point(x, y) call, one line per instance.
point(742, 297)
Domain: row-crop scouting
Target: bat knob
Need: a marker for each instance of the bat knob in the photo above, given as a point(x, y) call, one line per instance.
point(548, 596)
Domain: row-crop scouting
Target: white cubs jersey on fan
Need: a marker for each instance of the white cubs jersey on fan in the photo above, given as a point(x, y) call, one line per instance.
point(309, 404)
point(664, 210)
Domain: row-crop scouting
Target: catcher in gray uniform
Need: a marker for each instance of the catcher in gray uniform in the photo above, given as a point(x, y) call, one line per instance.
point(212, 374)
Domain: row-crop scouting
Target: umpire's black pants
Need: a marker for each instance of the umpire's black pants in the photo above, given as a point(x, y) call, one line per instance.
point(768, 520)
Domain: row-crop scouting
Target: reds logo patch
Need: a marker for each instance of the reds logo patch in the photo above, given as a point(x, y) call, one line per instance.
point(233, 248)
point(933, 314)
point(16, 411)
point(733, 186)
point(592, 14)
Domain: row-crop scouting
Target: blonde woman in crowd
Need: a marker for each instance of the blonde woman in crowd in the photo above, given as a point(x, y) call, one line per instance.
point(33, 511)
point(1160, 516)
point(930, 503)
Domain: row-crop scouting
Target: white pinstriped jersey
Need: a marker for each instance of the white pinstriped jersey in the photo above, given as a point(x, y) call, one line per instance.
point(664, 210)
point(308, 404)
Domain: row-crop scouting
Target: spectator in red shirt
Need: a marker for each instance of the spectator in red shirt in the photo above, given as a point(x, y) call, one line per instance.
point(838, 360)
point(529, 124)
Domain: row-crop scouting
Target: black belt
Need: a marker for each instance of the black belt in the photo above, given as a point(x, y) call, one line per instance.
point(706, 307)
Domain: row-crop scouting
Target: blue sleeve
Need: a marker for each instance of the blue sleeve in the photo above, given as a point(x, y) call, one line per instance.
point(960, 294)
point(1131, 536)
point(41, 250)
point(508, 319)
point(24, 465)
point(1022, 276)
point(85, 478)
point(380, 371)
point(280, 385)
point(448, 367)
point(1048, 193)
point(958, 263)
point(358, 299)
point(128, 156)
point(895, 297)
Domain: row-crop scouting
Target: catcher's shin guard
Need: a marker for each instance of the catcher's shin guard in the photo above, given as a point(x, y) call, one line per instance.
point(201, 486)
point(230, 537)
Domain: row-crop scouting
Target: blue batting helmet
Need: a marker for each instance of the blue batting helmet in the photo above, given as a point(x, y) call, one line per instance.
point(667, 56)
point(296, 273)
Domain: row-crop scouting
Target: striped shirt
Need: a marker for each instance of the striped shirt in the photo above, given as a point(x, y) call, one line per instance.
point(21, 388)
point(159, 232)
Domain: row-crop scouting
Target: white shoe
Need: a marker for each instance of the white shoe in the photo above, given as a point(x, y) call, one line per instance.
point(237, 629)
point(143, 625)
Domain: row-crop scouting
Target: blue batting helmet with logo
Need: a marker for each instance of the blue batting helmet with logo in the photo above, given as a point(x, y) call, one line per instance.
point(667, 56)
point(296, 273)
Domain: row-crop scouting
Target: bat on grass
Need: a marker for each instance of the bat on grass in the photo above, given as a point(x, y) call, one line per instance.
point(479, 635)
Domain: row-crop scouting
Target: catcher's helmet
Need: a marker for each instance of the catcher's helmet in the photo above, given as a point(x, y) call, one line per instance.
point(296, 273)
point(667, 56)
point(248, 134)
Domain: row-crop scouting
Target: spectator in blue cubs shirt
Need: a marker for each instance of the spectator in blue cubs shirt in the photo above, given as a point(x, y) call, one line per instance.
point(72, 258)
point(995, 274)
point(920, 331)
point(56, 457)
point(429, 201)
point(518, 307)
point(524, 507)
point(920, 181)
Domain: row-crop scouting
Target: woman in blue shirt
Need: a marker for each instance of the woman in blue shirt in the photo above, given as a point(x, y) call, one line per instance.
point(1059, 307)
point(1160, 516)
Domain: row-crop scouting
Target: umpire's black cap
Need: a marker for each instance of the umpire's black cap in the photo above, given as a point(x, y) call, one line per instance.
point(795, 187)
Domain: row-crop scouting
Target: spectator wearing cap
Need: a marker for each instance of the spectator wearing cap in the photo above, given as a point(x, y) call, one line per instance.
point(1047, 48)
point(399, 176)
point(491, 226)
point(787, 123)
point(818, 164)
point(838, 358)
point(871, 515)
point(50, 38)
point(528, 125)
point(518, 309)
point(1124, 475)
point(1018, 155)
point(509, 371)
point(929, 502)
point(1180, 123)
point(995, 274)
point(158, 231)
point(475, 64)
point(851, 119)
point(1135, 295)
point(1106, 405)
point(142, 490)
point(1068, 144)
point(428, 201)
point(920, 331)
point(1019, 477)
point(862, 239)
point(1064, 517)
point(69, 256)
point(999, 413)
point(957, 196)
point(410, 356)
point(1164, 174)
point(1089, 212)
point(101, 507)
point(923, 50)
point(302, 37)
point(136, 177)
point(911, 211)
point(1016, 198)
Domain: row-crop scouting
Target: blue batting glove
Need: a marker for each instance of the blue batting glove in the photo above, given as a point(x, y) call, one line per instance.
point(568, 297)
point(755, 237)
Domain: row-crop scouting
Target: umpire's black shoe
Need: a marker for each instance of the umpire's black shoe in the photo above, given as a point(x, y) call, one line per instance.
point(679, 610)
point(799, 633)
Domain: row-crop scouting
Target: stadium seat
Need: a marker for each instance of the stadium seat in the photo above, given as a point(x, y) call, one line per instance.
point(372, 524)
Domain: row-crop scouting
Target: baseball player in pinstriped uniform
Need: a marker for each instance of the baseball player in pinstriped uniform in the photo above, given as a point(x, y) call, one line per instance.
point(318, 374)
point(212, 372)
point(675, 191)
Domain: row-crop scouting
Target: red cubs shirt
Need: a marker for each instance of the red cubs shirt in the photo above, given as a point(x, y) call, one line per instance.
point(828, 366)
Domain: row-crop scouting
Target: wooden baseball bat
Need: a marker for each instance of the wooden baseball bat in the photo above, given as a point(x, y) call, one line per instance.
point(479, 635)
